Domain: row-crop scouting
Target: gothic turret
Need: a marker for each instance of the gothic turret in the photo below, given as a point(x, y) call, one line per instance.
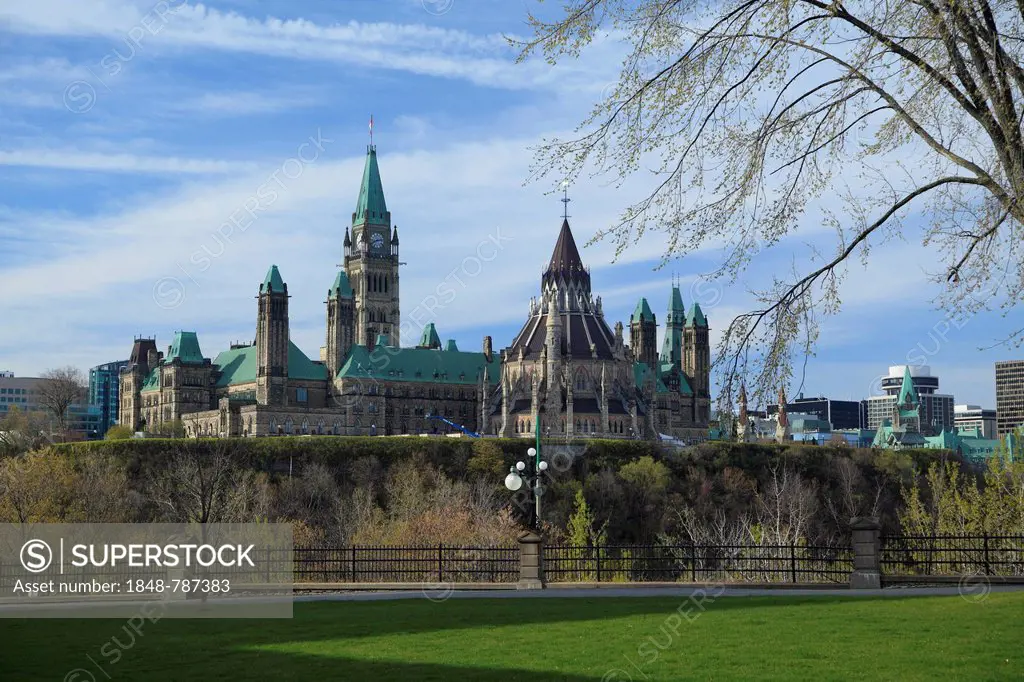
point(340, 323)
point(272, 340)
point(643, 334)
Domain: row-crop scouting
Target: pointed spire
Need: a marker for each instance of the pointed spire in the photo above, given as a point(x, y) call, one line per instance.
point(348, 240)
point(341, 288)
point(783, 417)
point(744, 418)
point(370, 206)
point(696, 318)
point(273, 281)
point(908, 394)
point(394, 238)
point(642, 313)
point(565, 263)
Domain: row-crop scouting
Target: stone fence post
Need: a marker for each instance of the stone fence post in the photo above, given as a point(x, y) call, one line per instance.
point(531, 562)
point(867, 569)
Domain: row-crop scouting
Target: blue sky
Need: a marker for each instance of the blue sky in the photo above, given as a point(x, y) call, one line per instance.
point(131, 131)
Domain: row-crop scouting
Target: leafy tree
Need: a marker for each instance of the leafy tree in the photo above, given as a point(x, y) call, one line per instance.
point(171, 429)
point(646, 482)
point(22, 431)
point(119, 432)
point(487, 460)
point(748, 115)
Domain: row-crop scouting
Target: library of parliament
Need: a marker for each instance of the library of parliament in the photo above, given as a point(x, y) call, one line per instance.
point(567, 372)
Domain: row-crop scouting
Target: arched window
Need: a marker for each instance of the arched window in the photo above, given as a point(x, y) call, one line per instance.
point(273, 425)
point(593, 426)
point(305, 426)
point(337, 429)
point(577, 425)
point(527, 426)
point(289, 426)
point(320, 427)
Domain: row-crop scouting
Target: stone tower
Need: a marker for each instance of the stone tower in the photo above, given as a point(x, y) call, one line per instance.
point(782, 431)
point(697, 360)
point(340, 322)
point(272, 341)
point(672, 348)
point(371, 261)
point(143, 359)
point(743, 434)
point(643, 334)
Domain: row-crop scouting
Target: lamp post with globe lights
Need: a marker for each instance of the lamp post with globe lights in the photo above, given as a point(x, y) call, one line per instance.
point(518, 476)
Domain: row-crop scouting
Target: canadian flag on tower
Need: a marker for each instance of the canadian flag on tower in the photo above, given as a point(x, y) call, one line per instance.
point(371, 128)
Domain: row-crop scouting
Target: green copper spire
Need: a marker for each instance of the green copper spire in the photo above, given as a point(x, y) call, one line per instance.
point(696, 317)
point(908, 396)
point(430, 339)
point(272, 281)
point(370, 207)
point(642, 313)
point(672, 347)
point(341, 287)
point(676, 309)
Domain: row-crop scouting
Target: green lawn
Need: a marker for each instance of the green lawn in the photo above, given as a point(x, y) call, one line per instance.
point(814, 638)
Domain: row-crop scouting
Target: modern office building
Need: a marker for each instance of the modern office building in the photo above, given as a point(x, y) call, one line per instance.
point(936, 409)
point(840, 414)
point(975, 418)
point(23, 392)
point(103, 392)
point(1009, 396)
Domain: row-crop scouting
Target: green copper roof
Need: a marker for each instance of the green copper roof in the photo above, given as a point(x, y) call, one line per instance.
point(341, 287)
point(419, 365)
point(430, 339)
point(640, 374)
point(151, 382)
point(672, 347)
point(186, 349)
point(370, 207)
point(273, 280)
point(676, 303)
point(642, 313)
point(696, 317)
point(908, 396)
point(450, 346)
point(239, 366)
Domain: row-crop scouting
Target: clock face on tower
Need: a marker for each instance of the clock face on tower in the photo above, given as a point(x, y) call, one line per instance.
point(377, 240)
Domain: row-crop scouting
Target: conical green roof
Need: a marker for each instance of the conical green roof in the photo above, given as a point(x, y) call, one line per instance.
point(642, 313)
point(696, 317)
point(273, 280)
point(430, 339)
point(341, 287)
point(908, 396)
point(370, 206)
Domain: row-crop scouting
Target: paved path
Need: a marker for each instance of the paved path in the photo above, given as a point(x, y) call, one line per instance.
point(440, 593)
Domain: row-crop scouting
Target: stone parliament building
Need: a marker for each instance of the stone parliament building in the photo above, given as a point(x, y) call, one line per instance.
point(566, 368)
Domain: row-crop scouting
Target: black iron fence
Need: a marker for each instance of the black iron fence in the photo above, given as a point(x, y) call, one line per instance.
point(699, 563)
point(899, 558)
point(422, 564)
point(952, 555)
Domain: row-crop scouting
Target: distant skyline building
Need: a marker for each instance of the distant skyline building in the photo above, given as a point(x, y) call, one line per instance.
point(103, 392)
point(840, 414)
point(935, 410)
point(23, 393)
point(1009, 396)
point(974, 417)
